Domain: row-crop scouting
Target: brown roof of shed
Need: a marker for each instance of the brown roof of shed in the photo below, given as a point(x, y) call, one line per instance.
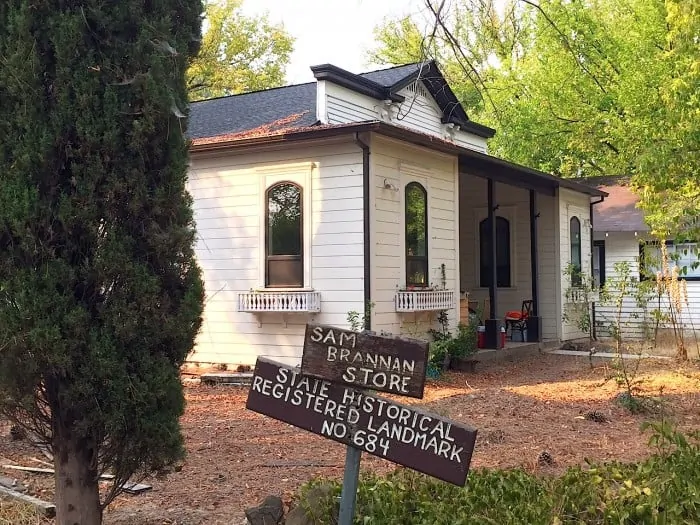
point(618, 212)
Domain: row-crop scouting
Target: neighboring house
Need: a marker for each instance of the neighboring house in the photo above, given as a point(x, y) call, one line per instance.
point(621, 235)
point(317, 199)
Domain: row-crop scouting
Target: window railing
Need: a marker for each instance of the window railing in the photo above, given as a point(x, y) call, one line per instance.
point(581, 295)
point(281, 301)
point(424, 301)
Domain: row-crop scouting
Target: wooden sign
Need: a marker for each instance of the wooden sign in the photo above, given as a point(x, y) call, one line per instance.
point(385, 364)
point(393, 431)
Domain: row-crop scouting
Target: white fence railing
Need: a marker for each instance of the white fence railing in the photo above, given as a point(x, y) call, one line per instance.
point(285, 301)
point(424, 301)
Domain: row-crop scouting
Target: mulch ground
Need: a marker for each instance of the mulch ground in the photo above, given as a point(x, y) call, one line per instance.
point(236, 457)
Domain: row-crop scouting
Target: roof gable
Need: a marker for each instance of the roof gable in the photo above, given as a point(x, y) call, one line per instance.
point(386, 83)
point(295, 106)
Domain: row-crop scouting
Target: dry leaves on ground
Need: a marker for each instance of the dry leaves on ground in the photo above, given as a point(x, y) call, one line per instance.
point(236, 457)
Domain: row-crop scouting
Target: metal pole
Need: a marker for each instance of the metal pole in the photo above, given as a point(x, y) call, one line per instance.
point(533, 254)
point(349, 492)
point(493, 255)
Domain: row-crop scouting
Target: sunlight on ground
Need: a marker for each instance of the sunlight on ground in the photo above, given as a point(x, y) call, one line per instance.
point(661, 383)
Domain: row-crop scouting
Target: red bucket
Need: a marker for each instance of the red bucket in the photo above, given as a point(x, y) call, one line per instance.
point(481, 337)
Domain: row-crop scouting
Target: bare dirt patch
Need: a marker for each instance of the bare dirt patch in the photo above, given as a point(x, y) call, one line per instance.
point(236, 457)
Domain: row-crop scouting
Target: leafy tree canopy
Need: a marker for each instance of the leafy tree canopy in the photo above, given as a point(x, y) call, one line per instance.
point(239, 53)
point(576, 88)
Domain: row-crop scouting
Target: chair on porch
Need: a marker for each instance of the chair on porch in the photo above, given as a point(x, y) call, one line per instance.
point(517, 320)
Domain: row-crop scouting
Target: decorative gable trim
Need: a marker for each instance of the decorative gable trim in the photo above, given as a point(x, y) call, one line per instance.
point(452, 110)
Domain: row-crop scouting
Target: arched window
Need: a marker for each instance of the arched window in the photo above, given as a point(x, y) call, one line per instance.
point(416, 235)
point(575, 238)
point(502, 253)
point(284, 265)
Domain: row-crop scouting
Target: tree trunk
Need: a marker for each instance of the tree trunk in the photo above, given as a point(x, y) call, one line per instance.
point(77, 489)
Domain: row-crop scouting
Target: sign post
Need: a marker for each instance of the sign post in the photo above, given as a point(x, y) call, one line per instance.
point(330, 396)
point(348, 495)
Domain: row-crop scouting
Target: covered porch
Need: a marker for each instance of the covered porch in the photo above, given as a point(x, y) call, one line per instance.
point(512, 250)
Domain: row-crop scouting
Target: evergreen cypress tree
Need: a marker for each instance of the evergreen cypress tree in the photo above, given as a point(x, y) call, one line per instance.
point(100, 294)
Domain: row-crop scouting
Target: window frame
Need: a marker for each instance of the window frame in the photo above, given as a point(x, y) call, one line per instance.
point(485, 281)
point(600, 245)
point(268, 238)
point(576, 278)
point(642, 259)
point(301, 174)
point(412, 258)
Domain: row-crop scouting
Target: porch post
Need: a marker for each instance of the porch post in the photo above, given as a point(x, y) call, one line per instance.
point(534, 323)
point(493, 325)
point(492, 249)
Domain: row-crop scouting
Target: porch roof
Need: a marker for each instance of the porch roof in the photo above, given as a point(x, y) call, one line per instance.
point(470, 161)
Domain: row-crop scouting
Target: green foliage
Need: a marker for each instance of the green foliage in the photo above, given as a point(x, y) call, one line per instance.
point(100, 293)
point(662, 489)
point(463, 344)
point(580, 293)
point(238, 53)
point(357, 321)
point(577, 88)
point(623, 288)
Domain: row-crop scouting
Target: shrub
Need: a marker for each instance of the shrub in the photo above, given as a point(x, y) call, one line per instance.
point(665, 488)
point(463, 344)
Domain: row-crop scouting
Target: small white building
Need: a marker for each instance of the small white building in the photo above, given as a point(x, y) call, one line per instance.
point(318, 199)
point(620, 234)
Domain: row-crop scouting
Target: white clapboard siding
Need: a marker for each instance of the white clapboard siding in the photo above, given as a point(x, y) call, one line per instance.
point(548, 270)
point(471, 141)
point(228, 206)
point(393, 166)
point(418, 112)
point(573, 204)
point(344, 105)
point(638, 321)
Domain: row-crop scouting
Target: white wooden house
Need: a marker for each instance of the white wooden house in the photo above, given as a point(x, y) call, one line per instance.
point(318, 199)
point(620, 235)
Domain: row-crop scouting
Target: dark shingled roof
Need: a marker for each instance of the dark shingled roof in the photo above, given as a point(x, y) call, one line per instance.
point(618, 212)
point(390, 76)
point(237, 113)
point(272, 109)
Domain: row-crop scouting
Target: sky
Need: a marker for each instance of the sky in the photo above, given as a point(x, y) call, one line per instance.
point(339, 32)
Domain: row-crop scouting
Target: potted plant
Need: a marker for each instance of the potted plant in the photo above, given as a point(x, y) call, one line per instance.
point(464, 346)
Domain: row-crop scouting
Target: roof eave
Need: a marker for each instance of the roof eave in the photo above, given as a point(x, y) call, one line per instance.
point(471, 127)
point(391, 131)
point(283, 137)
point(354, 82)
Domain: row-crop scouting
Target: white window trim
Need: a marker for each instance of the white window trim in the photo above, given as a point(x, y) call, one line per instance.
point(510, 214)
point(412, 173)
point(584, 218)
point(693, 274)
point(302, 175)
